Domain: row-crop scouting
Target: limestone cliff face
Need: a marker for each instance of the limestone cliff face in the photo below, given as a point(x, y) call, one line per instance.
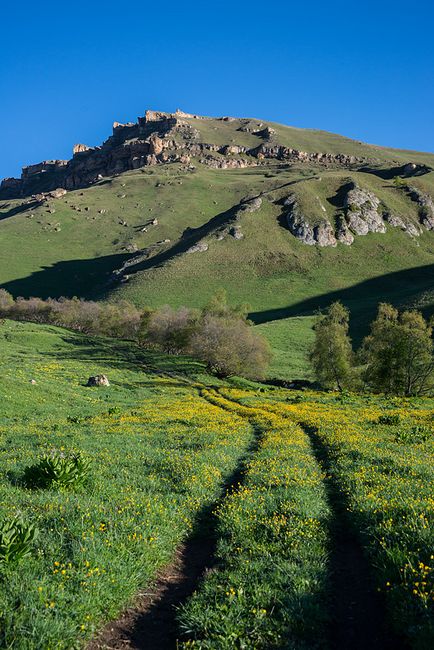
point(159, 138)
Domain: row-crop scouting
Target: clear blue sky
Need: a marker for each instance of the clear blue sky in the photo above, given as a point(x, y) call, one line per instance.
point(69, 69)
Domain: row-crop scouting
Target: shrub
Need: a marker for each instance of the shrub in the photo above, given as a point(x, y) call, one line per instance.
point(230, 346)
point(16, 538)
point(389, 419)
point(172, 329)
point(415, 435)
point(57, 471)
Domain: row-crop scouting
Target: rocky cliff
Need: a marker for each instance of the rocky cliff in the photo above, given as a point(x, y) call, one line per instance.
point(160, 138)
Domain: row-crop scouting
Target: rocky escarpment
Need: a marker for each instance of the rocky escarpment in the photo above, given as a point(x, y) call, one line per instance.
point(161, 138)
point(362, 213)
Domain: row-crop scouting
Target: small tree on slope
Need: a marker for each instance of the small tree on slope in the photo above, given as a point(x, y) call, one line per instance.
point(332, 353)
point(399, 353)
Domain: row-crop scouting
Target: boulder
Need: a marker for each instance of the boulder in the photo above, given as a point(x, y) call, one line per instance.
point(98, 380)
point(200, 247)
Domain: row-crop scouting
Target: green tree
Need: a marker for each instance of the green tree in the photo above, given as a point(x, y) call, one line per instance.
point(332, 353)
point(218, 306)
point(399, 353)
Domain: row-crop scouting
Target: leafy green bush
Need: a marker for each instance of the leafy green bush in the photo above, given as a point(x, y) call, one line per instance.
point(391, 419)
point(57, 471)
point(415, 435)
point(16, 538)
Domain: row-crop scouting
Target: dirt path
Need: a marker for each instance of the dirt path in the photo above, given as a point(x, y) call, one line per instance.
point(357, 609)
point(151, 623)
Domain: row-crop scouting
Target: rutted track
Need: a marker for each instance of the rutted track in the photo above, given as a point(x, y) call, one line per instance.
point(151, 622)
point(357, 612)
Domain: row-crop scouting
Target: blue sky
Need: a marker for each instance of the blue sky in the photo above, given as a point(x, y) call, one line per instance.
point(68, 70)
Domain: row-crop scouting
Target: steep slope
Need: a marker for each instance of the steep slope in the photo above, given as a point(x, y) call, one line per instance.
point(176, 206)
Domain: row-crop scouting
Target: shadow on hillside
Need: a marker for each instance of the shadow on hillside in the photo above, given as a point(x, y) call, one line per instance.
point(190, 237)
point(125, 355)
point(391, 172)
point(400, 288)
point(70, 278)
point(17, 209)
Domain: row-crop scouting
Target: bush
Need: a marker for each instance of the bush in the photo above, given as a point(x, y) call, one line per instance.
point(57, 471)
point(16, 538)
point(389, 419)
point(415, 435)
point(230, 346)
point(172, 329)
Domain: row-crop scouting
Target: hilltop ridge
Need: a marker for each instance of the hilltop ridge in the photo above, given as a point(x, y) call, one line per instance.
point(158, 138)
point(175, 206)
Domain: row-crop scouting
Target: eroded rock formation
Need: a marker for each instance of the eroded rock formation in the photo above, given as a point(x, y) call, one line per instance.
point(362, 215)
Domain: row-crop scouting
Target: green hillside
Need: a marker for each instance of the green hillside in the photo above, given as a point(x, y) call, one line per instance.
point(72, 245)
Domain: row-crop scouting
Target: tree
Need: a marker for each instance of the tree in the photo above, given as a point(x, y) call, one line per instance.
point(172, 329)
point(229, 346)
point(332, 353)
point(399, 352)
point(218, 306)
point(6, 302)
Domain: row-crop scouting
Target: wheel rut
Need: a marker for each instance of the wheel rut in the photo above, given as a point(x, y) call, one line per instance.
point(152, 621)
point(358, 616)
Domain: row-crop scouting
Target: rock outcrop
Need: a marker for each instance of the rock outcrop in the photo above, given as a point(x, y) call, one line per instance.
point(343, 234)
point(297, 223)
point(233, 228)
point(361, 207)
point(425, 203)
point(397, 222)
point(200, 247)
point(321, 234)
point(324, 235)
point(162, 138)
point(79, 148)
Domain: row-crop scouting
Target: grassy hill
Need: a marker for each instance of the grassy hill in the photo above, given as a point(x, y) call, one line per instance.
point(72, 245)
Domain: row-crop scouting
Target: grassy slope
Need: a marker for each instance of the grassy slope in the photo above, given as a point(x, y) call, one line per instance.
point(99, 544)
point(277, 275)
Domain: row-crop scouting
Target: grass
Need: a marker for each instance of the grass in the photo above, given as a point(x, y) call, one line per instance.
point(160, 444)
point(268, 589)
point(153, 468)
point(385, 472)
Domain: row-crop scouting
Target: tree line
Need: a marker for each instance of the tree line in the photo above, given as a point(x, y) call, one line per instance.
point(219, 335)
point(397, 357)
